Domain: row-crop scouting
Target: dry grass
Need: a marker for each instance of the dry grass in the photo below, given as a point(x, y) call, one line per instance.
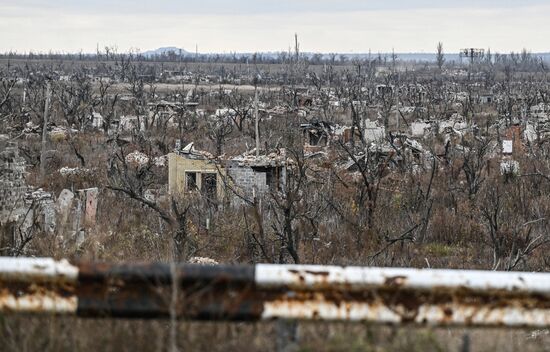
point(23, 334)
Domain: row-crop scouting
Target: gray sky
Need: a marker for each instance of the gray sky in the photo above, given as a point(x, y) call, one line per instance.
point(256, 25)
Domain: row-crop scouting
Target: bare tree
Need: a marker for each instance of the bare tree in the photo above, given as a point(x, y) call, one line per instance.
point(387, 101)
point(474, 163)
point(106, 102)
point(240, 106)
point(6, 88)
point(133, 179)
point(75, 99)
point(44, 132)
point(221, 126)
point(440, 56)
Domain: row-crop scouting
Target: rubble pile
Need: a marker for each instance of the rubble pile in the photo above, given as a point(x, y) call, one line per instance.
point(137, 158)
point(272, 159)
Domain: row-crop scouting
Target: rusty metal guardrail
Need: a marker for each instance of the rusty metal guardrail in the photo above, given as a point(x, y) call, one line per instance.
point(265, 292)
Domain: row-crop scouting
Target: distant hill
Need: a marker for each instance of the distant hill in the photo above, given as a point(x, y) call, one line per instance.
point(165, 51)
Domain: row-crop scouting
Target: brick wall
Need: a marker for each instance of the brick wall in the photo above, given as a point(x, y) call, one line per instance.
point(246, 180)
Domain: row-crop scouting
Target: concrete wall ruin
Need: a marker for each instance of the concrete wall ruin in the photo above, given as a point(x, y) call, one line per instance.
point(12, 183)
point(235, 178)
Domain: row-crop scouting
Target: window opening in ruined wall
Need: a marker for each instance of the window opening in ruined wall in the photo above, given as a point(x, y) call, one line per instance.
point(209, 185)
point(190, 181)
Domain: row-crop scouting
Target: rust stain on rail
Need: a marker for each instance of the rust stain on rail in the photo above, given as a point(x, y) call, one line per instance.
point(222, 299)
point(408, 306)
point(231, 293)
point(56, 297)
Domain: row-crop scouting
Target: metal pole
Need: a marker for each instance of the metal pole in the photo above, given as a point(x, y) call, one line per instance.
point(45, 132)
point(266, 292)
point(257, 121)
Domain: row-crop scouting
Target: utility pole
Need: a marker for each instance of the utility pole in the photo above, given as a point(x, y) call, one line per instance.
point(257, 122)
point(397, 105)
point(45, 132)
point(296, 46)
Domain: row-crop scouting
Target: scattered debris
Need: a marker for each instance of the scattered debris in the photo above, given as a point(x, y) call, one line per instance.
point(74, 171)
point(202, 261)
point(137, 158)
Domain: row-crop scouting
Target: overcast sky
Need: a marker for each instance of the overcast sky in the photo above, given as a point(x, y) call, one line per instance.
point(255, 25)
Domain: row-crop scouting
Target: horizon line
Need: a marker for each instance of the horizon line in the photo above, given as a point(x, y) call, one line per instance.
point(151, 51)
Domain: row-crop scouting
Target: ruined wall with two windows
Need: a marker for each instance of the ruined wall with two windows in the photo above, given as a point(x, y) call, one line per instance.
point(230, 180)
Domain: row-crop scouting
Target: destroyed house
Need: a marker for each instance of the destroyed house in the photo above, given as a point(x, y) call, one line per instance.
point(416, 94)
point(192, 171)
point(164, 108)
point(229, 179)
point(539, 111)
point(165, 111)
point(317, 135)
point(485, 98)
point(384, 89)
point(305, 100)
point(255, 176)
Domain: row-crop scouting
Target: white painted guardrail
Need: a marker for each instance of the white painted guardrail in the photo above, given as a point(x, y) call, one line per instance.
point(265, 292)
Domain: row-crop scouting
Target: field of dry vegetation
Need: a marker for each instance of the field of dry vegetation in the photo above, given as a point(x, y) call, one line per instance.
point(440, 198)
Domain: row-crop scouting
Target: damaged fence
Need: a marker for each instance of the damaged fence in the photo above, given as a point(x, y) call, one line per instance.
point(265, 292)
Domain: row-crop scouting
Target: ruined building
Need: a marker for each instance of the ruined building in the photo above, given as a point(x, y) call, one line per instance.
point(25, 211)
point(190, 170)
point(228, 179)
point(12, 183)
point(255, 176)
